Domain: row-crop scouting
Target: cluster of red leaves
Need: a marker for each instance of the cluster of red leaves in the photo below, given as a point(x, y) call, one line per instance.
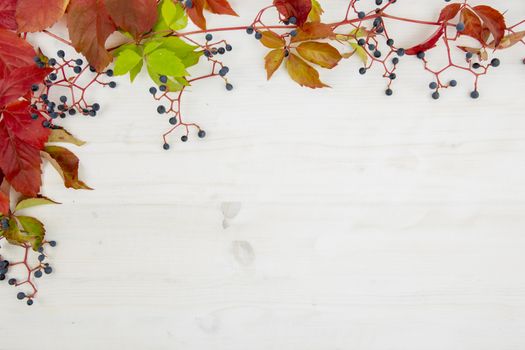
point(21, 138)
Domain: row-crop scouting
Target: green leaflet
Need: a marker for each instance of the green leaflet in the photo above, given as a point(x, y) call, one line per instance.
point(171, 17)
point(33, 231)
point(166, 62)
point(127, 60)
point(33, 202)
point(360, 52)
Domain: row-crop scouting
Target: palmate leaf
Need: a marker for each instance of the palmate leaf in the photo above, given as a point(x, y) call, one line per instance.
point(171, 16)
point(133, 16)
point(24, 229)
point(302, 73)
point(37, 15)
point(219, 7)
point(7, 14)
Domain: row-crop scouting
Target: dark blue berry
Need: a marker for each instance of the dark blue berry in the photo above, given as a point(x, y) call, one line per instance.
point(474, 94)
point(184, 138)
point(460, 27)
point(389, 92)
point(53, 243)
point(29, 302)
point(112, 84)
point(435, 95)
point(453, 83)
point(163, 79)
point(21, 295)
point(61, 54)
point(96, 107)
point(421, 55)
point(173, 120)
point(209, 37)
point(48, 270)
point(229, 87)
point(495, 62)
point(361, 15)
point(79, 62)
point(63, 99)
point(202, 134)
point(38, 273)
point(109, 73)
point(166, 146)
point(395, 60)
point(153, 90)
point(161, 109)
point(362, 70)
point(229, 47)
point(249, 30)
point(433, 85)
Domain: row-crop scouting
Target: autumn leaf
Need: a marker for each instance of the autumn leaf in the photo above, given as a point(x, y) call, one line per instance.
point(37, 15)
point(472, 24)
point(7, 14)
point(219, 7)
point(302, 73)
point(15, 52)
point(449, 12)
point(62, 135)
point(361, 52)
point(272, 40)
point(89, 27)
point(134, 16)
point(509, 40)
point(428, 44)
point(21, 140)
point(493, 20)
point(322, 54)
point(273, 61)
point(4, 195)
point(66, 163)
point(313, 31)
point(33, 202)
point(19, 81)
point(300, 9)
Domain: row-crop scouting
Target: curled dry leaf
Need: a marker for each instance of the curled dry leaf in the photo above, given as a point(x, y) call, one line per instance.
point(472, 24)
point(508, 40)
point(272, 40)
point(493, 20)
point(62, 135)
point(302, 73)
point(273, 61)
point(66, 163)
point(322, 54)
point(37, 15)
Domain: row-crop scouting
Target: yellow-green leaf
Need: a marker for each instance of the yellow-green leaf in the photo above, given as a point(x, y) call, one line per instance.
point(126, 61)
point(33, 202)
point(361, 52)
point(315, 12)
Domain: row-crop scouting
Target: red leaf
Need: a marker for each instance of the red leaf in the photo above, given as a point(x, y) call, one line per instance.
point(7, 14)
point(21, 140)
point(428, 44)
point(19, 81)
point(220, 7)
point(196, 12)
point(37, 15)
point(300, 9)
point(66, 163)
point(493, 20)
point(472, 24)
point(4, 195)
point(449, 12)
point(134, 16)
point(89, 27)
point(14, 52)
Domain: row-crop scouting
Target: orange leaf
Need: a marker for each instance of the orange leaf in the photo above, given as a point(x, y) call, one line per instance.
point(302, 73)
point(36, 15)
point(272, 40)
point(322, 54)
point(449, 12)
point(313, 31)
point(89, 27)
point(196, 11)
point(273, 61)
point(472, 24)
point(493, 20)
point(220, 7)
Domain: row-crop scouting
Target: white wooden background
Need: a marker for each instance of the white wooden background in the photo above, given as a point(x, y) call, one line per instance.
point(364, 222)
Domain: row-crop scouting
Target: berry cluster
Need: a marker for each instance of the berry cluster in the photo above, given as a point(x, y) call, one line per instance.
point(32, 270)
point(68, 83)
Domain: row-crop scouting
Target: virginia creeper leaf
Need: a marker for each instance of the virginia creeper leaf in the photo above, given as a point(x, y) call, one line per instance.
point(66, 163)
point(316, 12)
point(173, 15)
point(361, 52)
point(303, 73)
point(166, 62)
point(472, 24)
point(89, 27)
point(428, 44)
point(272, 40)
point(37, 15)
point(34, 202)
point(219, 7)
point(34, 231)
point(509, 40)
point(300, 9)
point(21, 140)
point(134, 16)
point(15, 52)
point(4, 196)
point(493, 20)
point(62, 135)
point(18, 82)
point(449, 12)
point(7, 14)
point(126, 61)
point(273, 61)
point(313, 31)
point(322, 54)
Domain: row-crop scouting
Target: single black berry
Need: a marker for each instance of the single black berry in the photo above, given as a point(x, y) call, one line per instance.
point(202, 134)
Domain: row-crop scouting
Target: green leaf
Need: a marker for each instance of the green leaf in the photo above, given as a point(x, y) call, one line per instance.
point(360, 52)
point(173, 15)
point(34, 231)
point(126, 61)
point(136, 70)
point(183, 50)
point(173, 84)
point(33, 202)
point(151, 46)
point(166, 62)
